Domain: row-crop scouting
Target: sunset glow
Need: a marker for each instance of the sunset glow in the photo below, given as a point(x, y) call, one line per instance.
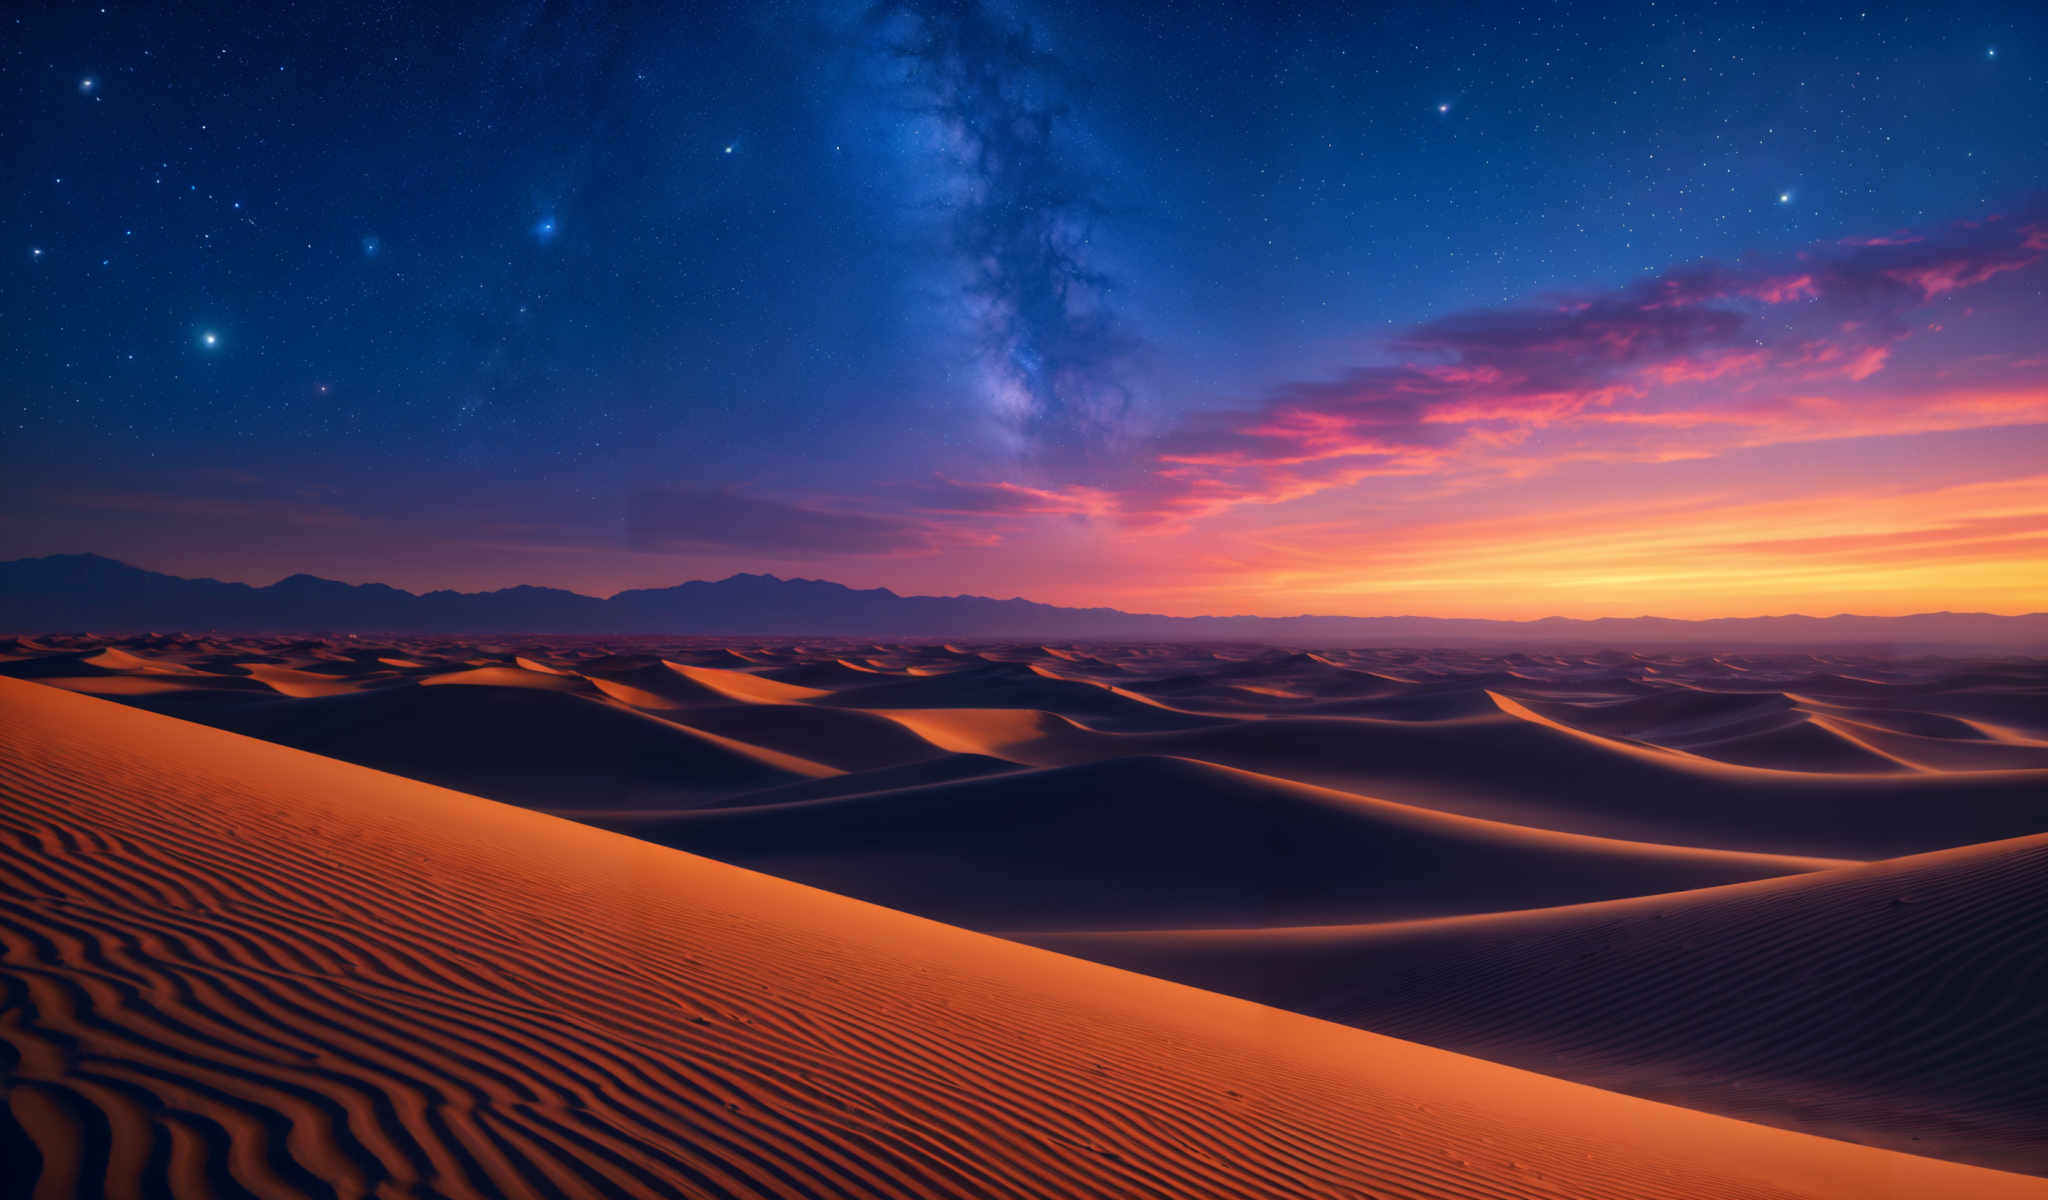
point(1803, 404)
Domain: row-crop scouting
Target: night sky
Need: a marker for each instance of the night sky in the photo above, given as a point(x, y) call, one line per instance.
point(1489, 310)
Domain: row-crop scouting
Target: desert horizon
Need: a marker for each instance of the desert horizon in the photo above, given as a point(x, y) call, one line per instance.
point(973, 599)
point(94, 591)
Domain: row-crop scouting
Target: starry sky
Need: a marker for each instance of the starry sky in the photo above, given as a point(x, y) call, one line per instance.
point(1499, 310)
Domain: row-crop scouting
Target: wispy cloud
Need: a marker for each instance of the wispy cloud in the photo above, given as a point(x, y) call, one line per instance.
point(693, 519)
point(1003, 499)
point(1698, 361)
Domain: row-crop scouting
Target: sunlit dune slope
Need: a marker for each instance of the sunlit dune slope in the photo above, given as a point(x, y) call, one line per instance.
point(656, 683)
point(845, 738)
point(300, 685)
point(1017, 686)
point(232, 968)
point(1895, 1003)
point(1164, 842)
point(523, 676)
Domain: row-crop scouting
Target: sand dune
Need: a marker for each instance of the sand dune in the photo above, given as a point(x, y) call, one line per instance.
point(1894, 1003)
point(1945, 752)
point(847, 739)
point(298, 684)
point(1419, 706)
point(74, 670)
point(143, 686)
point(1662, 716)
point(1782, 753)
point(1016, 686)
point(1162, 842)
point(746, 687)
point(1030, 787)
point(236, 968)
point(661, 684)
point(537, 746)
point(946, 768)
point(1791, 731)
point(1801, 744)
point(1269, 681)
point(827, 675)
point(1528, 771)
point(513, 677)
point(1011, 733)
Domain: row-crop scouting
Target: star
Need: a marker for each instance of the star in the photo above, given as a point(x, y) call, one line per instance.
point(35, 252)
point(1784, 197)
point(1991, 53)
point(1443, 108)
point(545, 230)
point(728, 148)
point(89, 83)
point(209, 339)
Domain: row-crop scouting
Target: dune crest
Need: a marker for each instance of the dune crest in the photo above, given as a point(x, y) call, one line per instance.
point(1888, 1003)
point(1162, 842)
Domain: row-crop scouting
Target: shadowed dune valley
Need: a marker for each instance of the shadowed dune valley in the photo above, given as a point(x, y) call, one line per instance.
point(741, 918)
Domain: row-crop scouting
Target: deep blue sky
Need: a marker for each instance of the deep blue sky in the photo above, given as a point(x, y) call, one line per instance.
point(490, 271)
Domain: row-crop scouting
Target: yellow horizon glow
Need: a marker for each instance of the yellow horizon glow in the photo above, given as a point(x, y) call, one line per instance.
point(1977, 547)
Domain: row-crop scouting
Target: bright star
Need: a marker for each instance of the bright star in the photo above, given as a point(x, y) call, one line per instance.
point(728, 149)
point(1991, 53)
point(35, 253)
point(1784, 197)
point(88, 83)
point(209, 339)
point(1443, 108)
point(545, 230)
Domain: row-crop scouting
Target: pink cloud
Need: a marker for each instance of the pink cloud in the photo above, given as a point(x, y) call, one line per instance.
point(1699, 361)
point(1867, 362)
point(1610, 377)
point(1704, 367)
point(1004, 499)
point(1784, 291)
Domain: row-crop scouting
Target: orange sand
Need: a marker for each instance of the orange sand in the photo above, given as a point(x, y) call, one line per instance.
point(232, 965)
